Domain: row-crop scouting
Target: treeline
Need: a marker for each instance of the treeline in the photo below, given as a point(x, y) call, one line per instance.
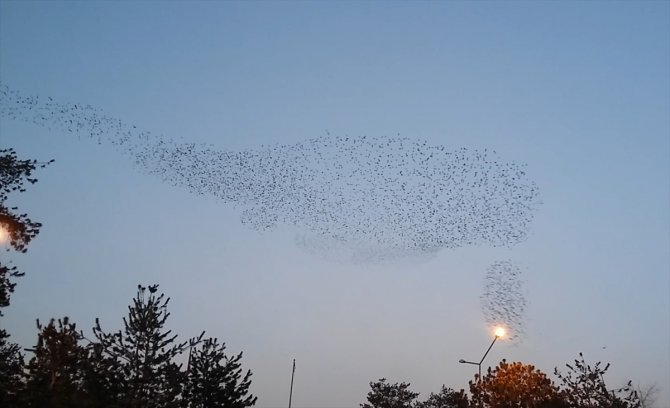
point(135, 367)
point(516, 385)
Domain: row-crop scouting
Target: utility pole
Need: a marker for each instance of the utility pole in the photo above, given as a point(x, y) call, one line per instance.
point(290, 396)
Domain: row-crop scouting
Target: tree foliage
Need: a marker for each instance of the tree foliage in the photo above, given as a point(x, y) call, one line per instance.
point(385, 395)
point(55, 375)
point(6, 285)
point(215, 380)
point(11, 371)
point(584, 387)
point(135, 367)
point(19, 230)
point(18, 227)
point(141, 357)
point(13, 174)
point(514, 385)
point(446, 398)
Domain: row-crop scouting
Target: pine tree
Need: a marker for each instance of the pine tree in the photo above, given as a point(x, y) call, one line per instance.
point(385, 395)
point(11, 371)
point(55, 374)
point(446, 398)
point(18, 229)
point(139, 360)
point(215, 380)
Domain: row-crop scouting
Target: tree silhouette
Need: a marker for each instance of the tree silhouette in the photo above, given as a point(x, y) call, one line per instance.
point(385, 395)
point(55, 374)
point(215, 380)
point(514, 385)
point(13, 173)
point(6, 284)
point(141, 357)
point(11, 371)
point(446, 398)
point(584, 387)
point(19, 230)
point(136, 367)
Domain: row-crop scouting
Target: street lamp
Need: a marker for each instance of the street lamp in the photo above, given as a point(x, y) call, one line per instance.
point(498, 332)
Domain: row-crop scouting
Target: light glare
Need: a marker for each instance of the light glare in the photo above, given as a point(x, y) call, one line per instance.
point(499, 331)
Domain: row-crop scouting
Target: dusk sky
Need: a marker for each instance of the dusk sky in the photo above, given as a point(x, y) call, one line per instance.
point(577, 92)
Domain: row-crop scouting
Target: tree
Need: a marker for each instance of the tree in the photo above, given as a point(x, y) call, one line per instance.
point(140, 359)
point(584, 387)
point(13, 173)
point(384, 395)
point(6, 284)
point(132, 368)
point(446, 398)
point(55, 374)
point(215, 380)
point(19, 230)
point(515, 385)
point(102, 380)
point(11, 359)
point(11, 371)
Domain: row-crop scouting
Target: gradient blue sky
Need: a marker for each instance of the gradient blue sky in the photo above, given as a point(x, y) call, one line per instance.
point(580, 91)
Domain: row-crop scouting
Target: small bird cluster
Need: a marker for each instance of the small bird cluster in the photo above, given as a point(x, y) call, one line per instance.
point(391, 194)
point(503, 299)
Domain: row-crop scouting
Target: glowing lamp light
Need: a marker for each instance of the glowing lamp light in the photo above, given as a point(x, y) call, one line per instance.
point(498, 331)
point(4, 236)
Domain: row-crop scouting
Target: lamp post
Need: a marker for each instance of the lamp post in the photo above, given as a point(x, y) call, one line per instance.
point(497, 333)
point(290, 395)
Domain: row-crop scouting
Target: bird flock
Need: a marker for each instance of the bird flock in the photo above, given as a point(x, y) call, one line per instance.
point(388, 194)
point(364, 198)
point(503, 299)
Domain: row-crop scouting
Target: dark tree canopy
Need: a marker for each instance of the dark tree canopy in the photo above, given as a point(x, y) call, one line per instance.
point(18, 229)
point(514, 385)
point(385, 395)
point(143, 354)
point(55, 373)
point(139, 366)
point(518, 385)
point(14, 173)
point(446, 398)
point(215, 380)
point(6, 285)
point(11, 371)
point(584, 387)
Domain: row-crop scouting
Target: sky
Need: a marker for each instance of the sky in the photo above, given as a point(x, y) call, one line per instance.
point(578, 92)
